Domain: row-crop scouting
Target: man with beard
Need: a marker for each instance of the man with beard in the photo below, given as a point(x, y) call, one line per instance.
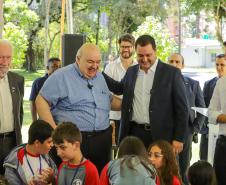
point(79, 94)
point(11, 103)
point(154, 104)
point(117, 70)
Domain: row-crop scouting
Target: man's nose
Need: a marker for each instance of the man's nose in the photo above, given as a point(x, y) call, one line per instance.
point(95, 65)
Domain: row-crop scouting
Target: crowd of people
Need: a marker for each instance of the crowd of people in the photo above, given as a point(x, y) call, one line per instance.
point(144, 101)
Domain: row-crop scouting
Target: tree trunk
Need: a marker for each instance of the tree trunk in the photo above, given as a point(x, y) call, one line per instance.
point(30, 64)
point(1, 18)
point(98, 26)
point(218, 24)
point(46, 53)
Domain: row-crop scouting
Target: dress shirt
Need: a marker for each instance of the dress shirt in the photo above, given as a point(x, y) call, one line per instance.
point(6, 110)
point(76, 99)
point(116, 71)
point(218, 104)
point(142, 94)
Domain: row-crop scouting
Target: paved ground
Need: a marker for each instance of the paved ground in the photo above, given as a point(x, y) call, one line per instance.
point(201, 75)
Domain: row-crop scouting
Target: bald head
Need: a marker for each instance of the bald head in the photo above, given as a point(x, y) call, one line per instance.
point(176, 60)
point(88, 59)
point(5, 57)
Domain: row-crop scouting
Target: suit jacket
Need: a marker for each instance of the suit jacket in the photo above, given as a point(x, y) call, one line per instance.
point(195, 99)
point(208, 93)
point(16, 85)
point(168, 108)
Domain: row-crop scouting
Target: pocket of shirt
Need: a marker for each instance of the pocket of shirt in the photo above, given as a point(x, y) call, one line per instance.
point(102, 99)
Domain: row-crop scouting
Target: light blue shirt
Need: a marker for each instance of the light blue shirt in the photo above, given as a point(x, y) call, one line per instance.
point(76, 99)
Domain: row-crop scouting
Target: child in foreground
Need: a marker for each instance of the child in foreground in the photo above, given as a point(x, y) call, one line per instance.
point(161, 155)
point(132, 166)
point(30, 164)
point(200, 173)
point(75, 169)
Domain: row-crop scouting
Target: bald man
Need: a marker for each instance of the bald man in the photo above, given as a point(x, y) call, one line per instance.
point(195, 122)
point(78, 93)
point(11, 103)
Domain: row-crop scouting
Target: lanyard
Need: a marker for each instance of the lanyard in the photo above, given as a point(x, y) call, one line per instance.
point(29, 165)
point(75, 173)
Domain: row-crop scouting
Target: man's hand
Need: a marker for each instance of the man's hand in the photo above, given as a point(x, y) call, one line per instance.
point(177, 146)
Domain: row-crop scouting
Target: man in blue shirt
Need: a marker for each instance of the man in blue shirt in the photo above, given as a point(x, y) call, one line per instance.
point(79, 94)
point(53, 65)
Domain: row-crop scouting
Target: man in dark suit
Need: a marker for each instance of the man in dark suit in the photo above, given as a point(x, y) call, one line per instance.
point(11, 104)
point(195, 122)
point(207, 93)
point(154, 104)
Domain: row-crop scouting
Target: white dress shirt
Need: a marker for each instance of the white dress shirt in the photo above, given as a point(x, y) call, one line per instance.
point(6, 109)
point(218, 104)
point(116, 71)
point(142, 95)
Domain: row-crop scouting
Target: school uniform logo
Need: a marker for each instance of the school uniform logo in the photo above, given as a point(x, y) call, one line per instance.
point(77, 182)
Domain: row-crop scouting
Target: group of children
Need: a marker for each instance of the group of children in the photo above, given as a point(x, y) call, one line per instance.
point(30, 164)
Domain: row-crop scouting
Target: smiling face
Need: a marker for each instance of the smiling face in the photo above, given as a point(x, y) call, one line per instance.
point(156, 157)
point(221, 66)
point(88, 60)
point(146, 56)
point(5, 58)
point(126, 49)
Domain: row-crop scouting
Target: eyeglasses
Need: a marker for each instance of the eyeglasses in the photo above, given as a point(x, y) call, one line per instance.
point(155, 154)
point(126, 47)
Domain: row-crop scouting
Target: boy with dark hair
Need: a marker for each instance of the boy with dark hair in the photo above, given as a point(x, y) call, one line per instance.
point(30, 163)
point(74, 169)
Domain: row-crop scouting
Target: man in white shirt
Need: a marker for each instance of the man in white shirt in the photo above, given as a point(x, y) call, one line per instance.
point(154, 104)
point(11, 103)
point(217, 115)
point(117, 70)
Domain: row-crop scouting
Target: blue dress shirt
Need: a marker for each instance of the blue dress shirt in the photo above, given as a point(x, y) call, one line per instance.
point(76, 99)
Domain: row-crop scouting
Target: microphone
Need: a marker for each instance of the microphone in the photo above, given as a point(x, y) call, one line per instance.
point(89, 86)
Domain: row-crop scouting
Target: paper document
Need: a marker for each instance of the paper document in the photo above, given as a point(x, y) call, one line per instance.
point(203, 111)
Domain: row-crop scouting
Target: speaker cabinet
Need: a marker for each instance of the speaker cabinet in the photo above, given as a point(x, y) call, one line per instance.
point(70, 45)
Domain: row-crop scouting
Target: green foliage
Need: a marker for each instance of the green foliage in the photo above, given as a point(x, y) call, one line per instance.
point(39, 44)
point(19, 20)
point(153, 27)
point(18, 39)
point(17, 12)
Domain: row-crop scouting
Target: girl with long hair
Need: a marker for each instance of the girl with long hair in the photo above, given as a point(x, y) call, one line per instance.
point(162, 157)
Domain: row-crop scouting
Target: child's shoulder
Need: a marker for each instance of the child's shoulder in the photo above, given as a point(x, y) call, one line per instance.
point(176, 181)
point(90, 167)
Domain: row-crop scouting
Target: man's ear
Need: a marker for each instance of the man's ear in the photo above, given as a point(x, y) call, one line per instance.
point(77, 144)
point(78, 59)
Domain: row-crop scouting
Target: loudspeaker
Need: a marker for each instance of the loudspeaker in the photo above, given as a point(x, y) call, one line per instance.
point(70, 45)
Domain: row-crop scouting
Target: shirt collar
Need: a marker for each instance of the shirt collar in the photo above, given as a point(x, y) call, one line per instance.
point(4, 79)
